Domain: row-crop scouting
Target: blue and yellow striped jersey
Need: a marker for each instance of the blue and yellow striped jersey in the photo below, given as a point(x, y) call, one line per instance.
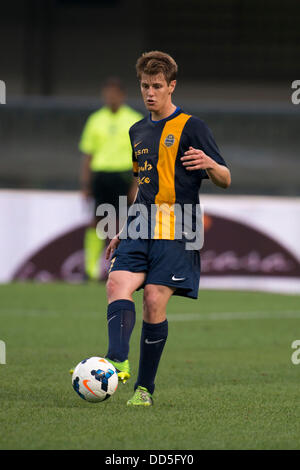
point(156, 151)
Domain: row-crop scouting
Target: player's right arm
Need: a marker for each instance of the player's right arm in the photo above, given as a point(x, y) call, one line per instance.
point(132, 193)
point(116, 240)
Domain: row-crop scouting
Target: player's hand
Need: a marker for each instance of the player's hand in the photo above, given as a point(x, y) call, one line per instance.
point(195, 159)
point(112, 246)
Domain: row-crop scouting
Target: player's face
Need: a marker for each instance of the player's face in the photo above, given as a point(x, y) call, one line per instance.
point(156, 92)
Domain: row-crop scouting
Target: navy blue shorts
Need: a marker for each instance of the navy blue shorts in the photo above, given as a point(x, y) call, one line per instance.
point(165, 262)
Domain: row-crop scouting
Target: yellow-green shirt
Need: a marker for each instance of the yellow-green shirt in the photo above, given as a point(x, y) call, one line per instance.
point(105, 137)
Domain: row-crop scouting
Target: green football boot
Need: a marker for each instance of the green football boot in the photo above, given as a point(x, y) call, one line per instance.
point(122, 368)
point(141, 397)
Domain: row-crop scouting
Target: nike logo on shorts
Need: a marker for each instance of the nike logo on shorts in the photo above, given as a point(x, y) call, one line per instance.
point(153, 342)
point(178, 278)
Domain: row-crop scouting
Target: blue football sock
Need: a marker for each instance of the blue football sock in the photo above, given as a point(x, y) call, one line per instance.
point(120, 322)
point(153, 340)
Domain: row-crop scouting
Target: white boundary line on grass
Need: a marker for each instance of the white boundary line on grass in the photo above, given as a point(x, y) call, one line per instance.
point(176, 317)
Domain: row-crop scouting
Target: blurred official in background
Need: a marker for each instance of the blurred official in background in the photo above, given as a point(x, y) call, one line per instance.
point(106, 170)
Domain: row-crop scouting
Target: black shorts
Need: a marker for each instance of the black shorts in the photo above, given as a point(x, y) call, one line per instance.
point(106, 187)
point(165, 262)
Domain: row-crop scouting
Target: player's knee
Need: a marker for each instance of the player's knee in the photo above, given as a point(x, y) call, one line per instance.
point(152, 302)
point(112, 287)
point(117, 288)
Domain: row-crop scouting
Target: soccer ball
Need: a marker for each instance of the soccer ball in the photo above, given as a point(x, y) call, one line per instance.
point(95, 379)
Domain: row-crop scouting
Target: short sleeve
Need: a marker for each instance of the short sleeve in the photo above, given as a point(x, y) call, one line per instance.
point(201, 137)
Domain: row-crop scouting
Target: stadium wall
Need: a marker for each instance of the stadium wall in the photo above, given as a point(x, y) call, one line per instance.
point(251, 242)
point(39, 144)
point(66, 47)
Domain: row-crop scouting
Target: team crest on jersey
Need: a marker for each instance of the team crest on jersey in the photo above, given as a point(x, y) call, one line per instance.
point(169, 140)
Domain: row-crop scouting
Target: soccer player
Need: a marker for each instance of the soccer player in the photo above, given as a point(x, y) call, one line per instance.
point(172, 153)
point(106, 170)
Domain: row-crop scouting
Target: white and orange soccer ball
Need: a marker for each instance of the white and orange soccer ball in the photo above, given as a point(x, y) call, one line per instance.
point(95, 379)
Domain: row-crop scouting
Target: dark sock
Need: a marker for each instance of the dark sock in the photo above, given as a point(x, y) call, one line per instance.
point(120, 323)
point(153, 340)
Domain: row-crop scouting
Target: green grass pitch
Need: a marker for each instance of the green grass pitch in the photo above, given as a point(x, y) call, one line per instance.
point(226, 379)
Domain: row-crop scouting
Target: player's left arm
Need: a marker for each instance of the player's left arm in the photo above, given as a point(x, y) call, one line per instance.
point(196, 159)
point(203, 154)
